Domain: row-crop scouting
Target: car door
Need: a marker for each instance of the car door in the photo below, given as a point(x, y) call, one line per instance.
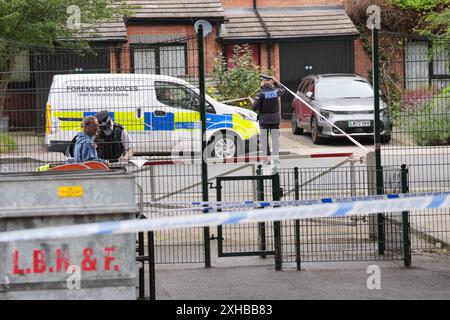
point(308, 112)
point(305, 111)
point(296, 102)
point(177, 116)
point(169, 98)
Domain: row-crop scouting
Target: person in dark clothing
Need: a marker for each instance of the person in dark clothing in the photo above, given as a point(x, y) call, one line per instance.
point(113, 142)
point(268, 107)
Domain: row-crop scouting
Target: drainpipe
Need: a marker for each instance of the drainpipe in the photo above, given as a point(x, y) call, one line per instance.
point(266, 29)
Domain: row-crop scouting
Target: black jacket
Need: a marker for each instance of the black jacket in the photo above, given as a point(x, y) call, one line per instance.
point(110, 147)
point(267, 104)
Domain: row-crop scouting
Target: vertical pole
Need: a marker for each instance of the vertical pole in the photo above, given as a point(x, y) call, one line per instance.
point(142, 267)
point(254, 183)
point(377, 136)
point(219, 228)
point(352, 178)
point(205, 195)
point(277, 224)
point(261, 225)
point(405, 221)
point(297, 222)
point(151, 264)
point(152, 184)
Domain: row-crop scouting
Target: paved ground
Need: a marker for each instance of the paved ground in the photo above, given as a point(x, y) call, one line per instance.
point(429, 278)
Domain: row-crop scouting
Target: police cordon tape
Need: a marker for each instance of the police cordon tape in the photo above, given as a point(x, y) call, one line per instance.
point(280, 203)
point(339, 208)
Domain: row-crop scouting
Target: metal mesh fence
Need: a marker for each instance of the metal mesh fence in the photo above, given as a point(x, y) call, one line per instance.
point(429, 228)
point(353, 238)
point(415, 82)
point(150, 89)
point(245, 239)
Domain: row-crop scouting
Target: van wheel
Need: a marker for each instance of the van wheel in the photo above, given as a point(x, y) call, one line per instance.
point(223, 145)
point(295, 129)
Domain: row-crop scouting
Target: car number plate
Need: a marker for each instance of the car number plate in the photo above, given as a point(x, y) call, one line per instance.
point(356, 124)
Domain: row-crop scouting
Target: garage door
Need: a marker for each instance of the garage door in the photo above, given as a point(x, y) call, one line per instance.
point(299, 59)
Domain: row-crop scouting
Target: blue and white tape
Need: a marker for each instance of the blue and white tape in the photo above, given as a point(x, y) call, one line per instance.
point(211, 205)
point(338, 208)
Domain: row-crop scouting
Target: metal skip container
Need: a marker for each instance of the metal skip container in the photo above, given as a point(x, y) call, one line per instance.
point(95, 267)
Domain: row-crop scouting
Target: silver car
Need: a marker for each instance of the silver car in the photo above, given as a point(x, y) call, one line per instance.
point(344, 99)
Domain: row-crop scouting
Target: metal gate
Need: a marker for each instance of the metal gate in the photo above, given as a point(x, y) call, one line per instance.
point(348, 238)
point(253, 239)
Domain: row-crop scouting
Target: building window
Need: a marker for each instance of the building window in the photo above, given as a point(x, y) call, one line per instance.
point(441, 57)
point(416, 65)
point(255, 51)
point(420, 70)
point(167, 60)
point(21, 69)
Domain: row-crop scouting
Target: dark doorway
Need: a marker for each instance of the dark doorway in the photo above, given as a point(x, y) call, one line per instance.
point(302, 58)
point(63, 61)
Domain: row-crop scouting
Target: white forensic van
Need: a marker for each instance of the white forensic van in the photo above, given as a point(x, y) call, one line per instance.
point(160, 113)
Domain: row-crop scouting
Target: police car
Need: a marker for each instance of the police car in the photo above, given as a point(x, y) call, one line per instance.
point(160, 113)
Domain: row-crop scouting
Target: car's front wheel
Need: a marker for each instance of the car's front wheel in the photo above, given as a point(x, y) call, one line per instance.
point(223, 145)
point(315, 131)
point(295, 129)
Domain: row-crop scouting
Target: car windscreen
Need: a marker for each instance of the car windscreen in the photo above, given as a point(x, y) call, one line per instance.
point(343, 89)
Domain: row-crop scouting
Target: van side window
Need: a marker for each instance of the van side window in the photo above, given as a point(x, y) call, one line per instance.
point(178, 96)
point(171, 94)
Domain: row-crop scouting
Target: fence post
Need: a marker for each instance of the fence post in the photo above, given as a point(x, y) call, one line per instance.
point(152, 184)
point(377, 136)
point(261, 225)
point(151, 264)
point(205, 189)
point(141, 253)
point(277, 224)
point(352, 178)
point(254, 183)
point(297, 222)
point(405, 220)
point(371, 189)
point(219, 228)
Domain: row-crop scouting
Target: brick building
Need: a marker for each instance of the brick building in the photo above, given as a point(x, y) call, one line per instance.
point(294, 37)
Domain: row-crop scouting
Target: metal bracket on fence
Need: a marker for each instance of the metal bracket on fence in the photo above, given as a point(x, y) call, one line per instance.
point(211, 185)
point(213, 237)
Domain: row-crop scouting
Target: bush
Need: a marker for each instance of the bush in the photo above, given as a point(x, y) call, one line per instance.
point(7, 143)
point(237, 78)
point(430, 125)
point(413, 100)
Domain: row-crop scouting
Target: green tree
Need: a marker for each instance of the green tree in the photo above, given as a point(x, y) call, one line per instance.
point(405, 16)
point(438, 23)
point(237, 78)
point(46, 23)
